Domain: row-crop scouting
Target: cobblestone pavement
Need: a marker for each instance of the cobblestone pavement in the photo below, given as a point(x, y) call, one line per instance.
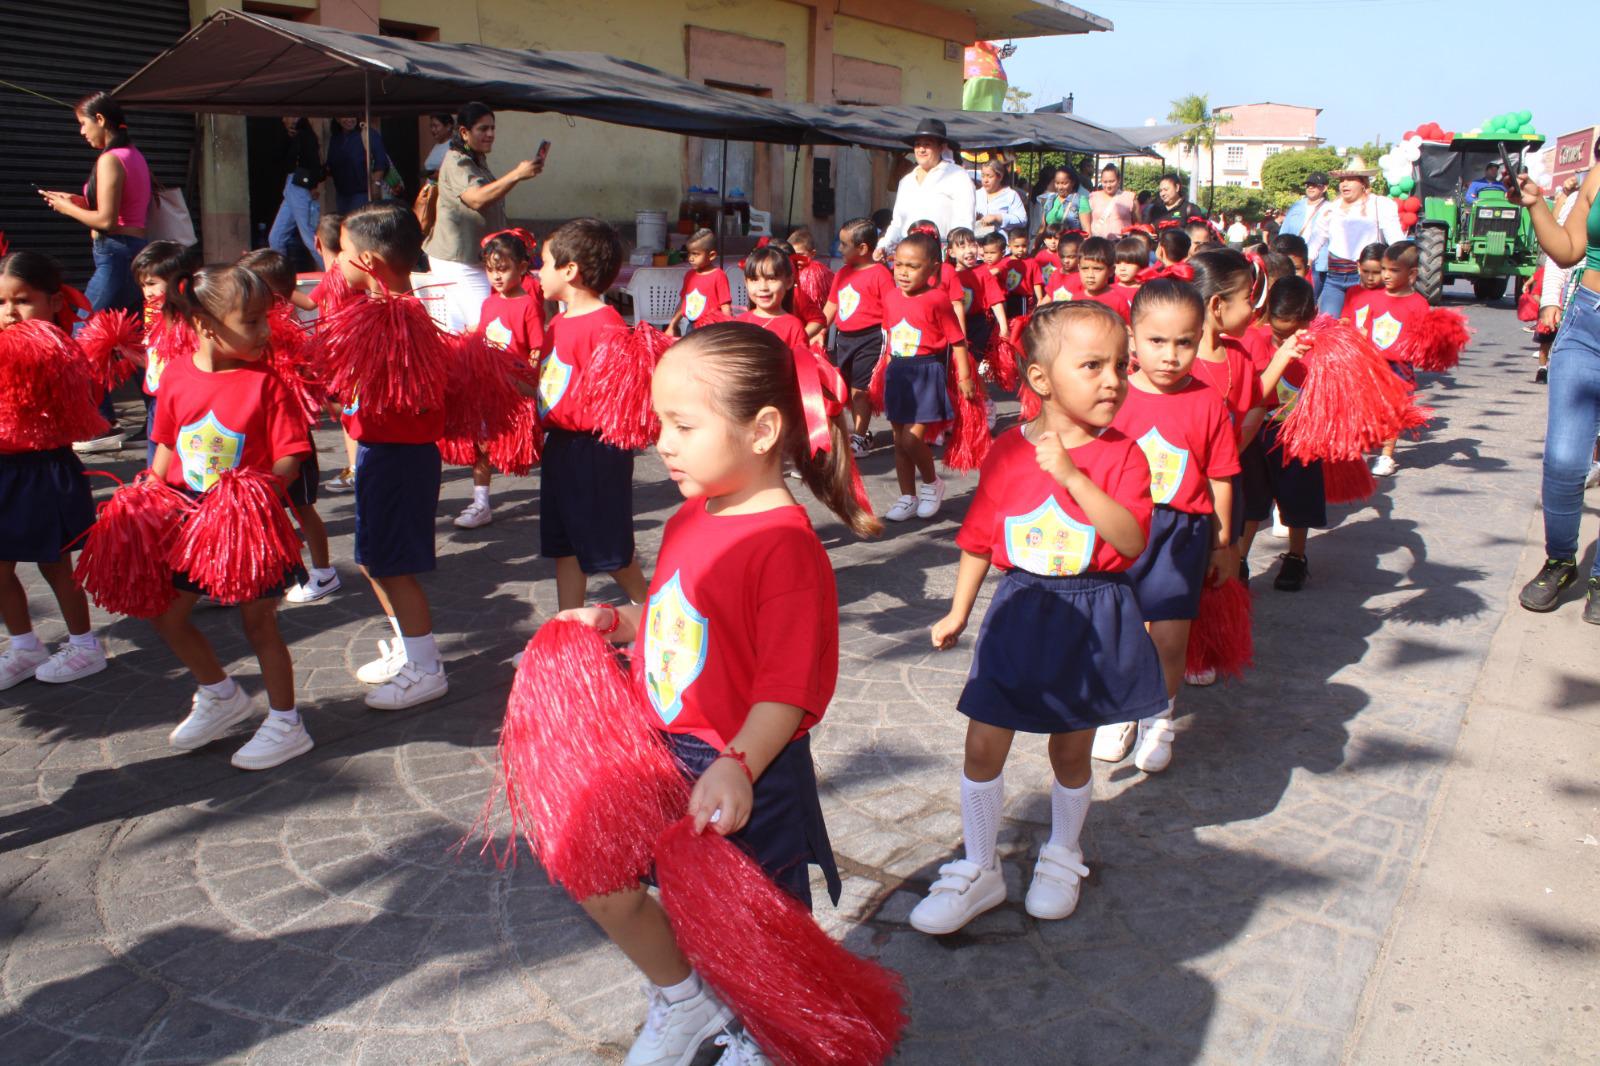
point(163, 907)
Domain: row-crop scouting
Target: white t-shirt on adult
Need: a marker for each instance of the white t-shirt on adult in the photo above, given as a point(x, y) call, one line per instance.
point(945, 196)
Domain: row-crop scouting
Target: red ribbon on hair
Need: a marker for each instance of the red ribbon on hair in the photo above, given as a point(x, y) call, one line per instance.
point(822, 395)
point(1181, 271)
point(72, 302)
point(529, 241)
point(1258, 279)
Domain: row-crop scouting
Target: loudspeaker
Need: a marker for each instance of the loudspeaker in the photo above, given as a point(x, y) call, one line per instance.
point(821, 188)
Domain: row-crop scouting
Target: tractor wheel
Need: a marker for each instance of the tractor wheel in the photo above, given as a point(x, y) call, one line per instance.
point(1430, 269)
point(1489, 289)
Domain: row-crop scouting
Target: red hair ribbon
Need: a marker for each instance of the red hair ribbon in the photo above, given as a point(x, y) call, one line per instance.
point(923, 227)
point(1073, 233)
point(1142, 227)
point(1168, 223)
point(72, 302)
point(5, 245)
point(529, 241)
point(800, 261)
point(822, 395)
point(1181, 271)
point(1258, 279)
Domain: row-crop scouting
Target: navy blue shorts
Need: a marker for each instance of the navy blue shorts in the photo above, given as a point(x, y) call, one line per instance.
point(916, 391)
point(296, 574)
point(1295, 488)
point(1169, 573)
point(150, 446)
point(1405, 372)
point(855, 353)
point(979, 329)
point(1062, 654)
point(45, 505)
point(785, 834)
point(397, 501)
point(303, 489)
point(586, 501)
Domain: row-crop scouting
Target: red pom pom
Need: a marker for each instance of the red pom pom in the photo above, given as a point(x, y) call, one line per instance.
point(969, 439)
point(1220, 638)
point(589, 783)
point(333, 292)
point(1434, 342)
point(123, 565)
point(456, 451)
point(1350, 401)
point(814, 280)
point(1347, 481)
point(239, 543)
point(481, 397)
point(804, 998)
point(290, 354)
point(170, 338)
point(616, 387)
point(1005, 361)
point(113, 342)
point(1031, 403)
point(48, 389)
point(516, 448)
point(880, 377)
point(384, 352)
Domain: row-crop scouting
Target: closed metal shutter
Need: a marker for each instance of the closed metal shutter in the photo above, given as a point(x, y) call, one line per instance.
point(66, 49)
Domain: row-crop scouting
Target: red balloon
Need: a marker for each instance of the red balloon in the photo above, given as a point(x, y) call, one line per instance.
point(1407, 219)
point(1408, 134)
point(1411, 204)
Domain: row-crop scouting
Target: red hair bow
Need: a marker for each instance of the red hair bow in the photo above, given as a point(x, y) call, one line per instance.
point(1168, 223)
point(74, 306)
point(1181, 271)
point(822, 395)
point(1258, 279)
point(529, 241)
point(1073, 233)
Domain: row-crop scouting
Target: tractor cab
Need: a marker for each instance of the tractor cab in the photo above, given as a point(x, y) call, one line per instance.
point(1474, 233)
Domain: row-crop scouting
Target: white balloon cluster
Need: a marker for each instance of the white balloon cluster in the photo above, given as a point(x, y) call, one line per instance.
point(1396, 163)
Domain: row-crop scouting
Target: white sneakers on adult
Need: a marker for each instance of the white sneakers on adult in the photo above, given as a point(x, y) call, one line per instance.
point(391, 657)
point(929, 496)
point(673, 1032)
point(1154, 751)
point(71, 663)
point(474, 515)
point(209, 717)
point(19, 664)
point(1113, 742)
point(408, 688)
point(1053, 893)
point(901, 509)
point(1384, 466)
point(963, 891)
point(316, 585)
point(275, 743)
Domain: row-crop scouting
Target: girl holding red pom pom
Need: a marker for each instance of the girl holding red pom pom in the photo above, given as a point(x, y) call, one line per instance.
point(225, 408)
point(737, 647)
point(45, 503)
point(1063, 509)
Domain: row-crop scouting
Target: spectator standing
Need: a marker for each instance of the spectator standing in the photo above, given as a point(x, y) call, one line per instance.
point(936, 189)
point(439, 128)
point(1112, 209)
point(299, 212)
point(353, 182)
point(1170, 203)
point(1355, 221)
point(1302, 216)
point(998, 205)
point(1238, 232)
point(1062, 201)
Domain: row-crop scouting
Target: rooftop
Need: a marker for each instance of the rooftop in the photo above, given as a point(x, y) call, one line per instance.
point(1000, 19)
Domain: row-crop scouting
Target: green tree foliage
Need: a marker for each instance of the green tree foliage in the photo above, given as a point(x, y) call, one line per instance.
point(1017, 99)
point(1286, 172)
point(1230, 200)
point(1144, 177)
point(1194, 111)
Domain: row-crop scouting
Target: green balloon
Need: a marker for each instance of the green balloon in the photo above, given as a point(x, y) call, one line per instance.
point(1524, 117)
point(1525, 129)
point(1407, 184)
point(1494, 125)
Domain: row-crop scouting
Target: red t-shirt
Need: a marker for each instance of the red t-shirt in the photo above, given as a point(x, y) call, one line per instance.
point(1046, 263)
point(1384, 319)
point(1355, 306)
point(980, 290)
point(949, 281)
point(165, 339)
point(924, 324)
point(704, 292)
point(1188, 439)
point(1017, 276)
point(571, 342)
point(1022, 518)
point(789, 328)
point(515, 324)
point(221, 421)
point(1115, 297)
point(807, 310)
point(1234, 379)
point(1260, 347)
point(1064, 286)
point(742, 610)
point(858, 294)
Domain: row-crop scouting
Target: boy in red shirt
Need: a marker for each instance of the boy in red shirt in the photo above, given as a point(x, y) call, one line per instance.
point(982, 297)
point(1384, 314)
point(1095, 262)
point(855, 307)
point(705, 287)
point(1019, 274)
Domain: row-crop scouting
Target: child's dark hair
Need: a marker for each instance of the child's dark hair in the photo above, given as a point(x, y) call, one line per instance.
point(1403, 253)
point(927, 243)
point(272, 268)
point(1292, 245)
point(1221, 272)
point(993, 239)
point(1049, 229)
point(1197, 226)
point(960, 235)
point(215, 290)
point(328, 232)
point(859, 231)
point(773, 262)
point(1278, 266)
point(508, 245)
point(388, 230)
point(1132, 250)
point(752, 368)
point(1372, 253)
point(1097, 250)
point(701, 240)
point(1168, 292)
point(1175, 243)
point(1258, 248)
point(801, 239)
point(593, 246)
point(34, 269)
point(1041, 337)
point(1070, 238)
point(1017, 233)
point(101, 103)
point(1292, 299)
point(167, 260)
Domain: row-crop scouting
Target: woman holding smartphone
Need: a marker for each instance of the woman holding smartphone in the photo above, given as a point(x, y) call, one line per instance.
point(471, 205)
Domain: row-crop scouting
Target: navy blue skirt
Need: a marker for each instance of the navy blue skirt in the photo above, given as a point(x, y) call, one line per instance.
point(785, 834)
point(1062, 654)
point(45, 505)
point(1169, 573)
point(916, 391)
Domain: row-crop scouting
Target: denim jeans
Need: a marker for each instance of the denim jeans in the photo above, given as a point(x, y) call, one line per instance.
point(346, 202)
point(1571, 423)
point(112, 285)
point(1319, 278)
point(1330, 301)
point(300, 213)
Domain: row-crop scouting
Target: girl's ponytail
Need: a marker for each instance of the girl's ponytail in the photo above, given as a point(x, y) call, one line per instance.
point(832, 477)
point(215, 290)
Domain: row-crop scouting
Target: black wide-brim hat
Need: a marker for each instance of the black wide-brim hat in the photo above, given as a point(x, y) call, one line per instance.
point(932, 127)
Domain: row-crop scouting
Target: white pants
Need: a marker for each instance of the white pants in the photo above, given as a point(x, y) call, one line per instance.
point(458, 293)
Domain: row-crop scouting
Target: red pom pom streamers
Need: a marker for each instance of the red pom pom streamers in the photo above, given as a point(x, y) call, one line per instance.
point(1434, 342)
point(616, 388)
point(1347, 481)
point(1350, 401)
point(1221, 637)
point(880, 376)
point(113, 341)
point(49, 391)
point(239, 543)
point(385, 352)
point(123, 565)
point(969, 438)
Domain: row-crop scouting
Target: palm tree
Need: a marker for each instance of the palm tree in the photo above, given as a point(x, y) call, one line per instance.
point(1194, 111)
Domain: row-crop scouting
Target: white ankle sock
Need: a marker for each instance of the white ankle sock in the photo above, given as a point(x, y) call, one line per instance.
point(1172, 705)
point(480, 494)
point(88, 641)
point(1068, 809)
point(223, 689)
point(28, 641)
point(683, 990)
point(289, 717)
point(980, 818)
point(422, 653)
point(323, 573)
point(395, 622)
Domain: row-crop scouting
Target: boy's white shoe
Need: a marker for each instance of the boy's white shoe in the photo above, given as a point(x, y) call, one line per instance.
point(1154, 753)
point(19, 664)
point(1053, 893)
point(902, 509)
point(742, 1049)
point(314, 588)
point(391, 657)
point(929, 497)
point(963, 891)
point(275, 742)
point(210, 717)
point(673, 1032)
point(408, 688)
point(111, 442)
point(1384, 466)
point(344, 481)
point(474, 515)
point(71, 663)
point(1113, 742)
point(1201, 678)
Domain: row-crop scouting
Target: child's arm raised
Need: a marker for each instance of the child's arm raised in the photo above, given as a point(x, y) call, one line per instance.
point(1290, 350)
point(969, 578)
point(728, 785)
point(1109, 518)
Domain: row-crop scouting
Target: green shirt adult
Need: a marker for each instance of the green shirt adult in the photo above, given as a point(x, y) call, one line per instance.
point(458, 229)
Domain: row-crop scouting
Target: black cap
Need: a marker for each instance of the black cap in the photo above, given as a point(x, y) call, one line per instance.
point(930, 127)
point(1317, 177)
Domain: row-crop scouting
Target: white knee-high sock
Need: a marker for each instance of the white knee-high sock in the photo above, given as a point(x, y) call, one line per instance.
point(980, 817)
point(1069, 807)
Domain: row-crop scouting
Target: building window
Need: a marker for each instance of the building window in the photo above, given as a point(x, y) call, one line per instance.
point(1273, 149)
point(1235, 157)
point(1236, 182)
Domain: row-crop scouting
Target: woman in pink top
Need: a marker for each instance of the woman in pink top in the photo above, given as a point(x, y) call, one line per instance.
point(114, 205)
point(1112, 209)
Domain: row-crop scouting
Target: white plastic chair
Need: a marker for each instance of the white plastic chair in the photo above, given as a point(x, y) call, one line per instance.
point(656, 292)
point(741, 298)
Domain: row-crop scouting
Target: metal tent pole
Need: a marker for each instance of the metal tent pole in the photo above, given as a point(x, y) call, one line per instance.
point(794, 176)
point(722, 197)
point(366, 125)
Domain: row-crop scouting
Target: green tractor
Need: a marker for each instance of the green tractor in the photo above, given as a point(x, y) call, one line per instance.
point(1487, 241)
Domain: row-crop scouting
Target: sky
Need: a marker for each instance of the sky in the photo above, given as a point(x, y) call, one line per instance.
point(1376, 67)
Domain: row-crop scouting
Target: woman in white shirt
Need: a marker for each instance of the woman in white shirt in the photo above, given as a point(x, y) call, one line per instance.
point(1352, 222)
point(999, 206)
point(936, 189)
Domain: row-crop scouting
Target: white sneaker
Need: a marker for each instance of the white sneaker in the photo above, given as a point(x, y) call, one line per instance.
point(963, 891)
point(903, 508)
point(860, 445)
point(1113, 742)
point(275, 742)
point(1201, 679)
point(344, 481)
point(391, 657)
point(1053, 893)
point(71, 663)
point(408, 688)
point(991, 412)
point(742, 1050)
point(17, 665)
point(673, 1032)
point(475, 514)
point(929, 497)
point(1384, 466)
point(314, 588)
point(111, 442)
point(1154, 753)
point(210, 717)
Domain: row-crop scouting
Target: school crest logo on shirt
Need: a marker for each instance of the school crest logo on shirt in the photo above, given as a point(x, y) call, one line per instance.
point(206, 448)
point(155, 366)
point(1013, 279)
point(675, 643)
point(1385, 330)
point(1288, 396)
point(1049, 542)
point(554, 377)
point(849, 300)
point(1167, 465)
point(904, 340)
point(498, 334)
point(1361, 317)
point(1061, 294)
point(694, 305)
point(1047, 272)
point(966, 298)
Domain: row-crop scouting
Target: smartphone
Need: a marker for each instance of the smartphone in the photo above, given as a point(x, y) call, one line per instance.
point(1509, 172)
point(544, 150)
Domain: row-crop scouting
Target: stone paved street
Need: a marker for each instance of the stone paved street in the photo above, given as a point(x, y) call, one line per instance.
point(161, 907)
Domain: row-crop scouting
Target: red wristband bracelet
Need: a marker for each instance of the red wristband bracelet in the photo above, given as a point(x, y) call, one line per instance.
point(739, 757)
point(616, 620)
